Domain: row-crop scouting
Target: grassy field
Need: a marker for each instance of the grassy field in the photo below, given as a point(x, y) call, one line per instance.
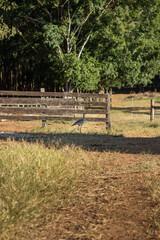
point(59, 184)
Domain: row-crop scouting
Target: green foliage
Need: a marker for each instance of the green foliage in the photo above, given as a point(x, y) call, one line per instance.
point(53, 35)
point(129, 45)
point(84, 43)
point(5, 30)
point(83, 73)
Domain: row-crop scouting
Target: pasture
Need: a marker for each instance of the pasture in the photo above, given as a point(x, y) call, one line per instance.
point(56, 183)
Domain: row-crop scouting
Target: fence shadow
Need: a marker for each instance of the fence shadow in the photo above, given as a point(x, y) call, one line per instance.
point(92, 142)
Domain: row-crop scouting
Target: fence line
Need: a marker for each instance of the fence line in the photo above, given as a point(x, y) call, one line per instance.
point(155, 110)
point(24, 105)
point(51, 94)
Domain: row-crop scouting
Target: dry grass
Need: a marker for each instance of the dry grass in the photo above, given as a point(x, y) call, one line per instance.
point(34, 179)
point(153, 186)
point(60, 184)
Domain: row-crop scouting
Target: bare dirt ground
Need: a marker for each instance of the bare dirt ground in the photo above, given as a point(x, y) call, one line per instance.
point(104, 213)
point(113, 206)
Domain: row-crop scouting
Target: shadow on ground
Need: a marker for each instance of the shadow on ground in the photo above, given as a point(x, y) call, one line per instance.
point(91, 142)
point(133, 110)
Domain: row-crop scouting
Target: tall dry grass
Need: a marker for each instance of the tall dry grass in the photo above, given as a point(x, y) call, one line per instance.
point(34, 179)
point(37, 179)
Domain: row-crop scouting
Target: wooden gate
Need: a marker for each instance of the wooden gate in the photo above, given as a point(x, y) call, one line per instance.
point(25, 105)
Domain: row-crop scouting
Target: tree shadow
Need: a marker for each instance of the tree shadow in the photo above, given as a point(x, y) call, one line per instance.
point(91, 142)
point(133, 110)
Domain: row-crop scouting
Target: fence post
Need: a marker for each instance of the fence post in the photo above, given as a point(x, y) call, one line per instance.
point(132, 103)
point(152, 110)
point(44, 122)
point(110, 97)
point(108, 119)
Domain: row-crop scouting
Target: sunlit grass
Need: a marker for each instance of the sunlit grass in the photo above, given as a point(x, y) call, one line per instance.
point(33, 180)
point(152, 181)
point(38, 178)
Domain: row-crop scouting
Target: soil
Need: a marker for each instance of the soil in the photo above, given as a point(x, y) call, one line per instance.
point(110, 207)
point(101, 215)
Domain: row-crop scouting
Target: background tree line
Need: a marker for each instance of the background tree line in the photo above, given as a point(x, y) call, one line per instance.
point(78, 45)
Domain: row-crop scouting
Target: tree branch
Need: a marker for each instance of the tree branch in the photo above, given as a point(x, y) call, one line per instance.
point(64, 3)
point(46, 10)
point(133, 20)
point(85, 42)
point(78, 29)
point(69, 29)
point(104, 9)
point(25, 40)
point(60, 52)
point(91, 31)
point(30, 19)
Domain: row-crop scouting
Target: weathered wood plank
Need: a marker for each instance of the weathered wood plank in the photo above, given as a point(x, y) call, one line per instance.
point(152, 110)
point(48, 102)
point(44, 106)
point(32, 118)
point(157, 101)
point(62, 103)
point(108, 120)
point(29, 110)
point(51, 94)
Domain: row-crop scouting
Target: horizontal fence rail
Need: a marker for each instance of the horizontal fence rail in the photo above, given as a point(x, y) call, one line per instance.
point(51, 94)
point(49, 102)
point(29, 118)
point(155, 110)
point(25, 105)
point(35, 111)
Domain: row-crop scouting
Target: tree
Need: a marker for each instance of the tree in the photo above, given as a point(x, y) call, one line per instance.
point(68, 33)
point(128, 47)
point(67, 27)
point(85, 44)
point(5, 30)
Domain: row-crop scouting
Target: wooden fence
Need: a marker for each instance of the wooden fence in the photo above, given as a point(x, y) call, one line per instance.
point(155, 110)
point(25, 105)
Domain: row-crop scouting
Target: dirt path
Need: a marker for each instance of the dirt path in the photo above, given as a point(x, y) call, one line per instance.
point(107, 206)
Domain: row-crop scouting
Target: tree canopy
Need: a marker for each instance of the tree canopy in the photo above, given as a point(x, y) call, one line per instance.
point(80, 44)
